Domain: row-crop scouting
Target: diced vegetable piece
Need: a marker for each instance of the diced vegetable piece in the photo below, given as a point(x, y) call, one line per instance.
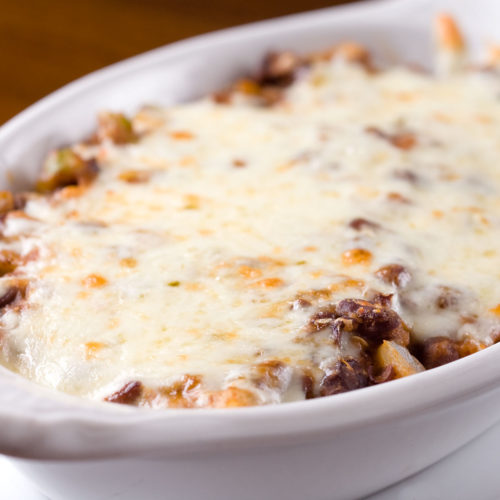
point(115, 127)
point(450, 56)
point(392, 354)
point(448, 34)
point(63, 168)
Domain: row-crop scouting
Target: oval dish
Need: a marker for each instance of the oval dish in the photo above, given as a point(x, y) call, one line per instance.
point(345, 446)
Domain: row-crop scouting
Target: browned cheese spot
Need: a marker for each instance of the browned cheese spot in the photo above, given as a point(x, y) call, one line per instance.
point(356, 256)
point(135, 176)
point(269, 283)
point(239, 163)
point(181, 135)
point(94, 281)
point(129, 262)
point(397, 198)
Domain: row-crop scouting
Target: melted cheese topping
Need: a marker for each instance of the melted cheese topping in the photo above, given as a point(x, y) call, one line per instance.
point(190, 250)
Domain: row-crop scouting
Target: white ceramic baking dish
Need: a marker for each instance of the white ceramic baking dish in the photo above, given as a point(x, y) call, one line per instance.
point(339, 447)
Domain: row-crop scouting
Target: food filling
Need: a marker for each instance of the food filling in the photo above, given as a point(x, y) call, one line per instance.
point(323, 226)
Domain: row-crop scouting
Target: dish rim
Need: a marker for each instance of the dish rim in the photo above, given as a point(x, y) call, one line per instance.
point(477, 373)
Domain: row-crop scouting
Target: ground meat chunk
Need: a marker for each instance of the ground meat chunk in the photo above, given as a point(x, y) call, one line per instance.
point(279, 68)
point(348, 374)
point(15, 294)
point(308, 386)
point(381, 299)
point(9, 296)
point(374, 322)
point(341, 326)
point(128, 394)
point(387, 374)
point(438, 351)
point(323, 318)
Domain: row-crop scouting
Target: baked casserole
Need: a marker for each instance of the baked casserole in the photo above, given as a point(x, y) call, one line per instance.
point(321, 227)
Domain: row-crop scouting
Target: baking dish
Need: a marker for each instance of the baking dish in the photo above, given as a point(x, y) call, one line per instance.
point(339, 447)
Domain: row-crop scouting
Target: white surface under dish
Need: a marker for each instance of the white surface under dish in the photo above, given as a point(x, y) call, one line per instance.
point(470, 472)
point(340, 447)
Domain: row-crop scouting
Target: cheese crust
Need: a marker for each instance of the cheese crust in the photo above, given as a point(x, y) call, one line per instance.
point(319, 229)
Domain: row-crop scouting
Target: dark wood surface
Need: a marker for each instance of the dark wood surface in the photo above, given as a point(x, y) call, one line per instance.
point(45, 44)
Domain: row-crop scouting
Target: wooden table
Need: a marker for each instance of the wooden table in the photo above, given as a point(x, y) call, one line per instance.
point(45, 44)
